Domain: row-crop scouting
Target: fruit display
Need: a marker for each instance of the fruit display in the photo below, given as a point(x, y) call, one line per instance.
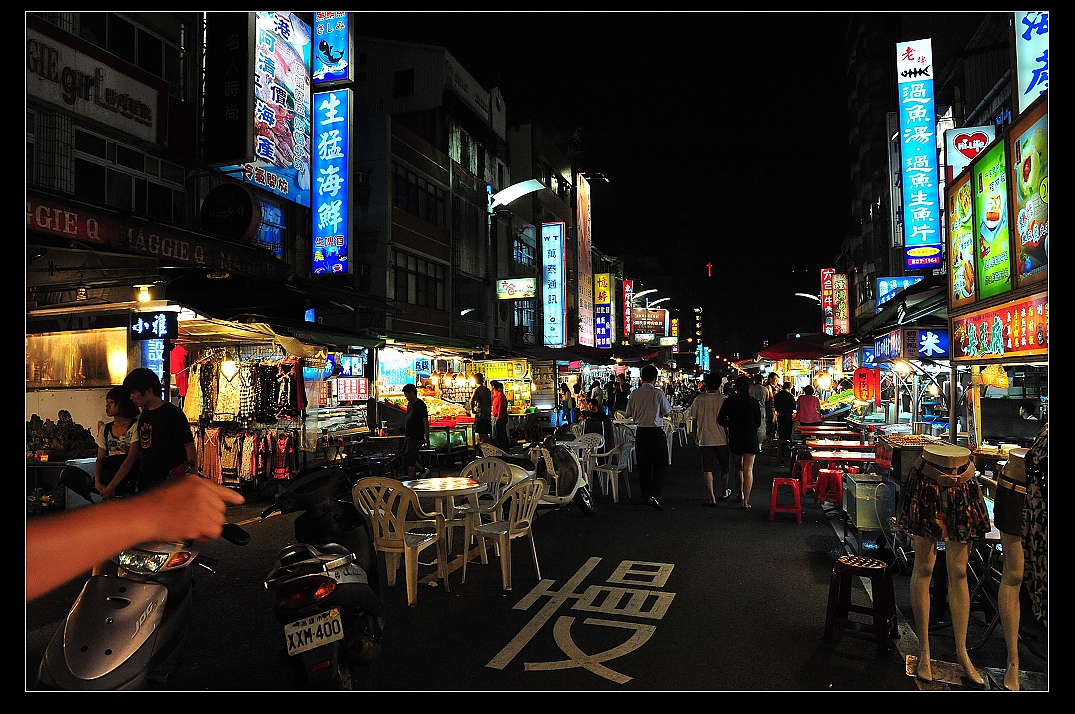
point(839, 400)
point(439, 409)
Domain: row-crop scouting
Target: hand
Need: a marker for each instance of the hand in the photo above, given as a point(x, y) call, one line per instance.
point(191, 507)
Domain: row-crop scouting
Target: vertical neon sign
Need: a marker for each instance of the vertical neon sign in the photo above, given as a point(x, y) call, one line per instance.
point(553, 295)
point(602, 300)
point(918, 155)
point(628, 315)
point(332, 185)
point(827, 300)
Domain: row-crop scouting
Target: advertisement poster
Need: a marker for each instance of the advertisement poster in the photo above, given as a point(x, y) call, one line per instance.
point(962, 265)
point(1015, 329)
point(990, 177)
point(1031, 55)
point(332, 183)
point(1030, 195)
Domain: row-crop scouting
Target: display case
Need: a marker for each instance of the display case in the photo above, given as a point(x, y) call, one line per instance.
point(896, 453)
point(869, 501)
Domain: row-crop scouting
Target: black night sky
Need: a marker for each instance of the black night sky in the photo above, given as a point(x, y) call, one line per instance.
point(722, 136)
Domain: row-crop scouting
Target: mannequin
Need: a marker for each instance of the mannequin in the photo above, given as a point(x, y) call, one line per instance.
point(942, 501)
point(1025, 469)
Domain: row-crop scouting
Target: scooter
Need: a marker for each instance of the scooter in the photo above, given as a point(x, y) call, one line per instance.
point(327, 584)
point(128, 626)
point(554, 463)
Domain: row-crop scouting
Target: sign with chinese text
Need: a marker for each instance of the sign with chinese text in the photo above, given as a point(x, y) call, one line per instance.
point(1029, 151)
point(516, 288)
point(963, 145)
point(159, 325)
point(990, 185)
point(331, 53)
point(925, 343)
point(888, 346)
point(1031, 56)
point(865, 384)
point(352, 365)
point(841, 305)
point(887, 288)
point(281, 116)
point(918, 155)
point(585, 272)
point(352, 389)
point(229, 88)
point(650, 321)
point(1015, 329)
point(602, 303)
point(628, 302)
point(827, 299)
point(503, 369)
point(554, 294)
point(332, 182)
point(962, 261)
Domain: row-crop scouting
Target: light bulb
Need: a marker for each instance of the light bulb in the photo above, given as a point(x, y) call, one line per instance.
point(143, 293)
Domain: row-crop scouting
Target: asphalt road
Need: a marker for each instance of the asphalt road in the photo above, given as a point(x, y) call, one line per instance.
point(685, 599)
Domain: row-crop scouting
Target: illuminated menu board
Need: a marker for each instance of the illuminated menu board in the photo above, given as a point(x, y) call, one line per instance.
point(992, 234)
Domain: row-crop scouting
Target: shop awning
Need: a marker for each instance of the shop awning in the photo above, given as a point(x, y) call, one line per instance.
point(298, 340)
point(800, 348)
point(418, 341)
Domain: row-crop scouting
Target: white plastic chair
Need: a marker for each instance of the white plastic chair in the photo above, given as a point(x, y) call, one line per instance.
point(679, 428)
point(594, 443)
point(512, 517)
point(626, 438)
point(395, 515)
point(490, 472)
point(610, 467)
point(578, 429)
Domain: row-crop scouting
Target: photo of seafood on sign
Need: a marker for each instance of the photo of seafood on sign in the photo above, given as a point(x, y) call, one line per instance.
point(1029, 139)
point(962, 268)
point(991, 213)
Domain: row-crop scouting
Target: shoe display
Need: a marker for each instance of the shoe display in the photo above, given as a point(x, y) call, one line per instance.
point(655, 503)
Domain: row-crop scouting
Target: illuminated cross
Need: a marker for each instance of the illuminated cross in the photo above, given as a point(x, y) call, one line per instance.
point(709, 269)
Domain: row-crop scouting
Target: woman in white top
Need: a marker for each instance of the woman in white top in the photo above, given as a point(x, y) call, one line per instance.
point(711, 437)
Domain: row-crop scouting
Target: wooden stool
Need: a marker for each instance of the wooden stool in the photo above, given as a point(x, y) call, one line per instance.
point(829, 487)
point(795, 506)
point(883, 613)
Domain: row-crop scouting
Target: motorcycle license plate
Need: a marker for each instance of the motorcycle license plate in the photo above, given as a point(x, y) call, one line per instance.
point(314, 631)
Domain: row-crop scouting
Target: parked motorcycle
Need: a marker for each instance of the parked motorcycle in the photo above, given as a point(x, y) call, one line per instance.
point(128, 626)
point(327, 584)
point(554, 463)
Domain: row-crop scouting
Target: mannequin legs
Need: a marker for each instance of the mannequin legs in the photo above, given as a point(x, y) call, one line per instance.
point(956, 556)
point(1008, 604)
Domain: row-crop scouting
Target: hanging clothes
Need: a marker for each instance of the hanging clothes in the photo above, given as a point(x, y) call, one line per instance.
point(247, 393)
point(227, 398)
point(192, 402)
point(211, 455)
point(282, 451)
point(177, 365)
point(248, 456)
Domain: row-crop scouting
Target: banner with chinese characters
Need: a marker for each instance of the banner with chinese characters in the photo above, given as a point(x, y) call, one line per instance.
point(503, 369)
point(585, 266)
point(918, 155)
point(1029, 151)
point(516, 288)
point(887, 288)
point(628, 308)
point(332, 48)
point(1031, 56)
point(827, 299)
point(554, 294)
point(332, 182)
point(352, 389)
point(841, 305)
point(602, 302)
point(992, 226)
point(1015, 329)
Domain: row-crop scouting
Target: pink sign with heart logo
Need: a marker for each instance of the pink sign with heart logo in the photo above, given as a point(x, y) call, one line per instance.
point(970, 145)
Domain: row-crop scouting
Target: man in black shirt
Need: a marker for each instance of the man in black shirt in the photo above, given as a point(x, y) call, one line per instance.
point(784, 403)
point(165, 441)
point(416, 429)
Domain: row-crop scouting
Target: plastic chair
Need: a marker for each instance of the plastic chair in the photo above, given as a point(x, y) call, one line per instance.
point(395, 514)
point(594, 443)
point(610, 466)
point(578, 429)
point(490, 472)
point(830, 487)
point(795, 507)
point(679, 428)
point(512, 517)
point(626, 438)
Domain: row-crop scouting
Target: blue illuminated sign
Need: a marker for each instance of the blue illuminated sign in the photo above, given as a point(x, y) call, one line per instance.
point(332, 182)
point(554, 293)
point(888, 287)
point(922, 237)
point(160, 325)
point(331, 51)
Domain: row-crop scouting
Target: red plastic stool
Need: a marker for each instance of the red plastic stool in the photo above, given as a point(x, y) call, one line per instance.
point(795, 506)
point(882, 625)
point(808, 474)
point(830, 487)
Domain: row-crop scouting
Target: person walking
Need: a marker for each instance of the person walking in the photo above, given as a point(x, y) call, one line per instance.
point(785, 414)
point(481, 406)
point(500, 416)
point(808, 407)
point(112, 474)
point(648, 406)
point(165, 441)
point(772, 386)
point(567, 405)
point(741, 415)
point(711, 437)
point(760, 391)
point(415, 429)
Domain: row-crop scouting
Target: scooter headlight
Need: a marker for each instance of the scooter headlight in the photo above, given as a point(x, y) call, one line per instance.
point(142, 561)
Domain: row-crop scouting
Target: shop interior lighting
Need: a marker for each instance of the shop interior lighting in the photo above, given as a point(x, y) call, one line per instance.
point(902, 368)
point(228, 367)
point(934, 390)
point(143, 292)
point(994, 376)
point(823, 380)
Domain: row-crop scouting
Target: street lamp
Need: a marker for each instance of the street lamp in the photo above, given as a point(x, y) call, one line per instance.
point(657, 302)
point(816, 298)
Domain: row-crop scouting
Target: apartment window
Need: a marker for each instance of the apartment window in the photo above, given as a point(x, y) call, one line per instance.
point(417, 281)
point(124, 38)
point(419, 197)
point(114, 174)
point(524, 316)
point(523, 253)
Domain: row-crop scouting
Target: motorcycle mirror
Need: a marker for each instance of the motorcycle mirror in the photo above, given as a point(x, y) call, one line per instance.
point(234, 533)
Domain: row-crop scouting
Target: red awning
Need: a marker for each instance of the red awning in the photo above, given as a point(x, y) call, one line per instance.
point(800, 348)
